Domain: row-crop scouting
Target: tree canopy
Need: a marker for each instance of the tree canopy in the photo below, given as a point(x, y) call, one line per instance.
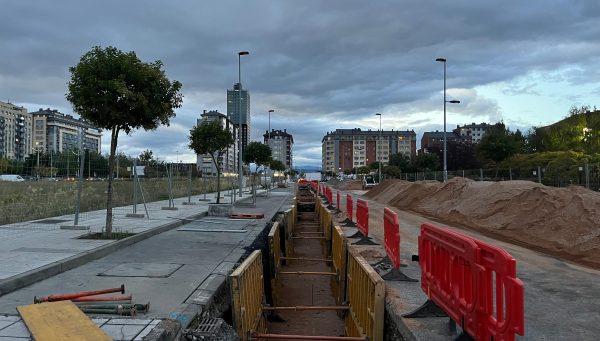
point(115, 89)
point(499, 143)
point(257, 153)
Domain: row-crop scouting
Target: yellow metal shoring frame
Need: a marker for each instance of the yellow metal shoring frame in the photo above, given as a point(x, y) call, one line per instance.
point(338, 257)
point(274, 259)
point(289, 218)
point(366, 298)
point(247, 293)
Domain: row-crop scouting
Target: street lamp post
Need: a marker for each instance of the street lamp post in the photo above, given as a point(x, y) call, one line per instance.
point(269, 140)
point(240, 170)
point(379, 147)
point(443, 60)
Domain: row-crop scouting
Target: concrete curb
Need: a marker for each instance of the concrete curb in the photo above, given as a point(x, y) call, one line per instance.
point(27, 278)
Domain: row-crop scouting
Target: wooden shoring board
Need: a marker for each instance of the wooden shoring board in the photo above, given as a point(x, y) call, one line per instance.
point(60, 321)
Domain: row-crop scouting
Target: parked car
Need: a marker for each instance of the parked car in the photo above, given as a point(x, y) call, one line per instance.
point(11, 177)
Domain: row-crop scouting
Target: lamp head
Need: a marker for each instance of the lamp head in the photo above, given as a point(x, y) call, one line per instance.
point(453, 101)
point(271, 110)
point(443, 60)
point(243, 53)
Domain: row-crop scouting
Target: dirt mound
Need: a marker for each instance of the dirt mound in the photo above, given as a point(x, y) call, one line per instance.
point(562, 221)
point(350, 185)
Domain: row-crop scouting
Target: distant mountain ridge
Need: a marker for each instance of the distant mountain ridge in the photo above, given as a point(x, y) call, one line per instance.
point(309, 169)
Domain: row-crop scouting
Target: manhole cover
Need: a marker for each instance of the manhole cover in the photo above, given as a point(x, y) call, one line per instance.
point(50, 221)
point(151, 270)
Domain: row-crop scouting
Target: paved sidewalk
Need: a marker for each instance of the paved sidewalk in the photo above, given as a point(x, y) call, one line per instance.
point(182, 271)
point(26, 248)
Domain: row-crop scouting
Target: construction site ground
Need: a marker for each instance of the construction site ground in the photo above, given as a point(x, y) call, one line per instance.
point(562, 299)
point(178, 271)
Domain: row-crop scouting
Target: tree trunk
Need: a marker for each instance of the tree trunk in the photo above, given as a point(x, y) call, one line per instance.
point(216, 163)
point(111, 166)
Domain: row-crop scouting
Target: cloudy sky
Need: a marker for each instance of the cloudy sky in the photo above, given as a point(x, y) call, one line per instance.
point(320, 64)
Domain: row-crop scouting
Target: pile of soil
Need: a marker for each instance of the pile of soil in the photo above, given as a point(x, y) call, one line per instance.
point(348, 185)
point(560, 221)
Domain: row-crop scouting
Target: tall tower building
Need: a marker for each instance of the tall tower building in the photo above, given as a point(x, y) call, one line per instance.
point(239, 110)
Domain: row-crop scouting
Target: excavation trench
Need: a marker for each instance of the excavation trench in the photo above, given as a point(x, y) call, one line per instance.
point(304, 281)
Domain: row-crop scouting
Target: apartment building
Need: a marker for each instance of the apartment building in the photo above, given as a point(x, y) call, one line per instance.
point(472, 132)
point(15, 132)
point(281, 143)
point(345, 149)
point(56, 132)
point(228, 162)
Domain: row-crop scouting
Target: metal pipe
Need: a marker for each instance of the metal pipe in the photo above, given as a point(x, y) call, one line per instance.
point(318, 273)
point(64, 297)
point(340, 307)
point(139, 307)
point(306, 337)
point(94, 303)
point(101, 298)
point(128, 312)
point(307, 259)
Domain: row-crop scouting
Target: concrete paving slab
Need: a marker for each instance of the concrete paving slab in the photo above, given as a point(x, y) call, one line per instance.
point(17, 329)
point(151, 270)
point(4, 324)
point(122, 332)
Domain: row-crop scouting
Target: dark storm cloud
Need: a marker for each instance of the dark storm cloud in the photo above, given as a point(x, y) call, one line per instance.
point(321, 64)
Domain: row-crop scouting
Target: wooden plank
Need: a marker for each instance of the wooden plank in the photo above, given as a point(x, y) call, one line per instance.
point(59, 321)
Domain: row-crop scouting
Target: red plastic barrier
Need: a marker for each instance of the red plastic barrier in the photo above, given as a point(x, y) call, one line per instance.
point(349, 204)
point(315, 185)
point(337, 200)
point(362, 216)
point(473, 282)
point(449, 274)
point(505, 292)
point(391, 230)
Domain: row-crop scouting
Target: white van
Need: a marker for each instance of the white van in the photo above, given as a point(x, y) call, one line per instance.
point(11, 177)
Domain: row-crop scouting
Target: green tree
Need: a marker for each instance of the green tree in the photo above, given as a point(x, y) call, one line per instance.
point(499, 143)
point(277, 165)
point(147, 156)
point(257, 153)
point(400, 160)
point(213, 139)
point(391, 171)
point(426, 162)
point(117, 91)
